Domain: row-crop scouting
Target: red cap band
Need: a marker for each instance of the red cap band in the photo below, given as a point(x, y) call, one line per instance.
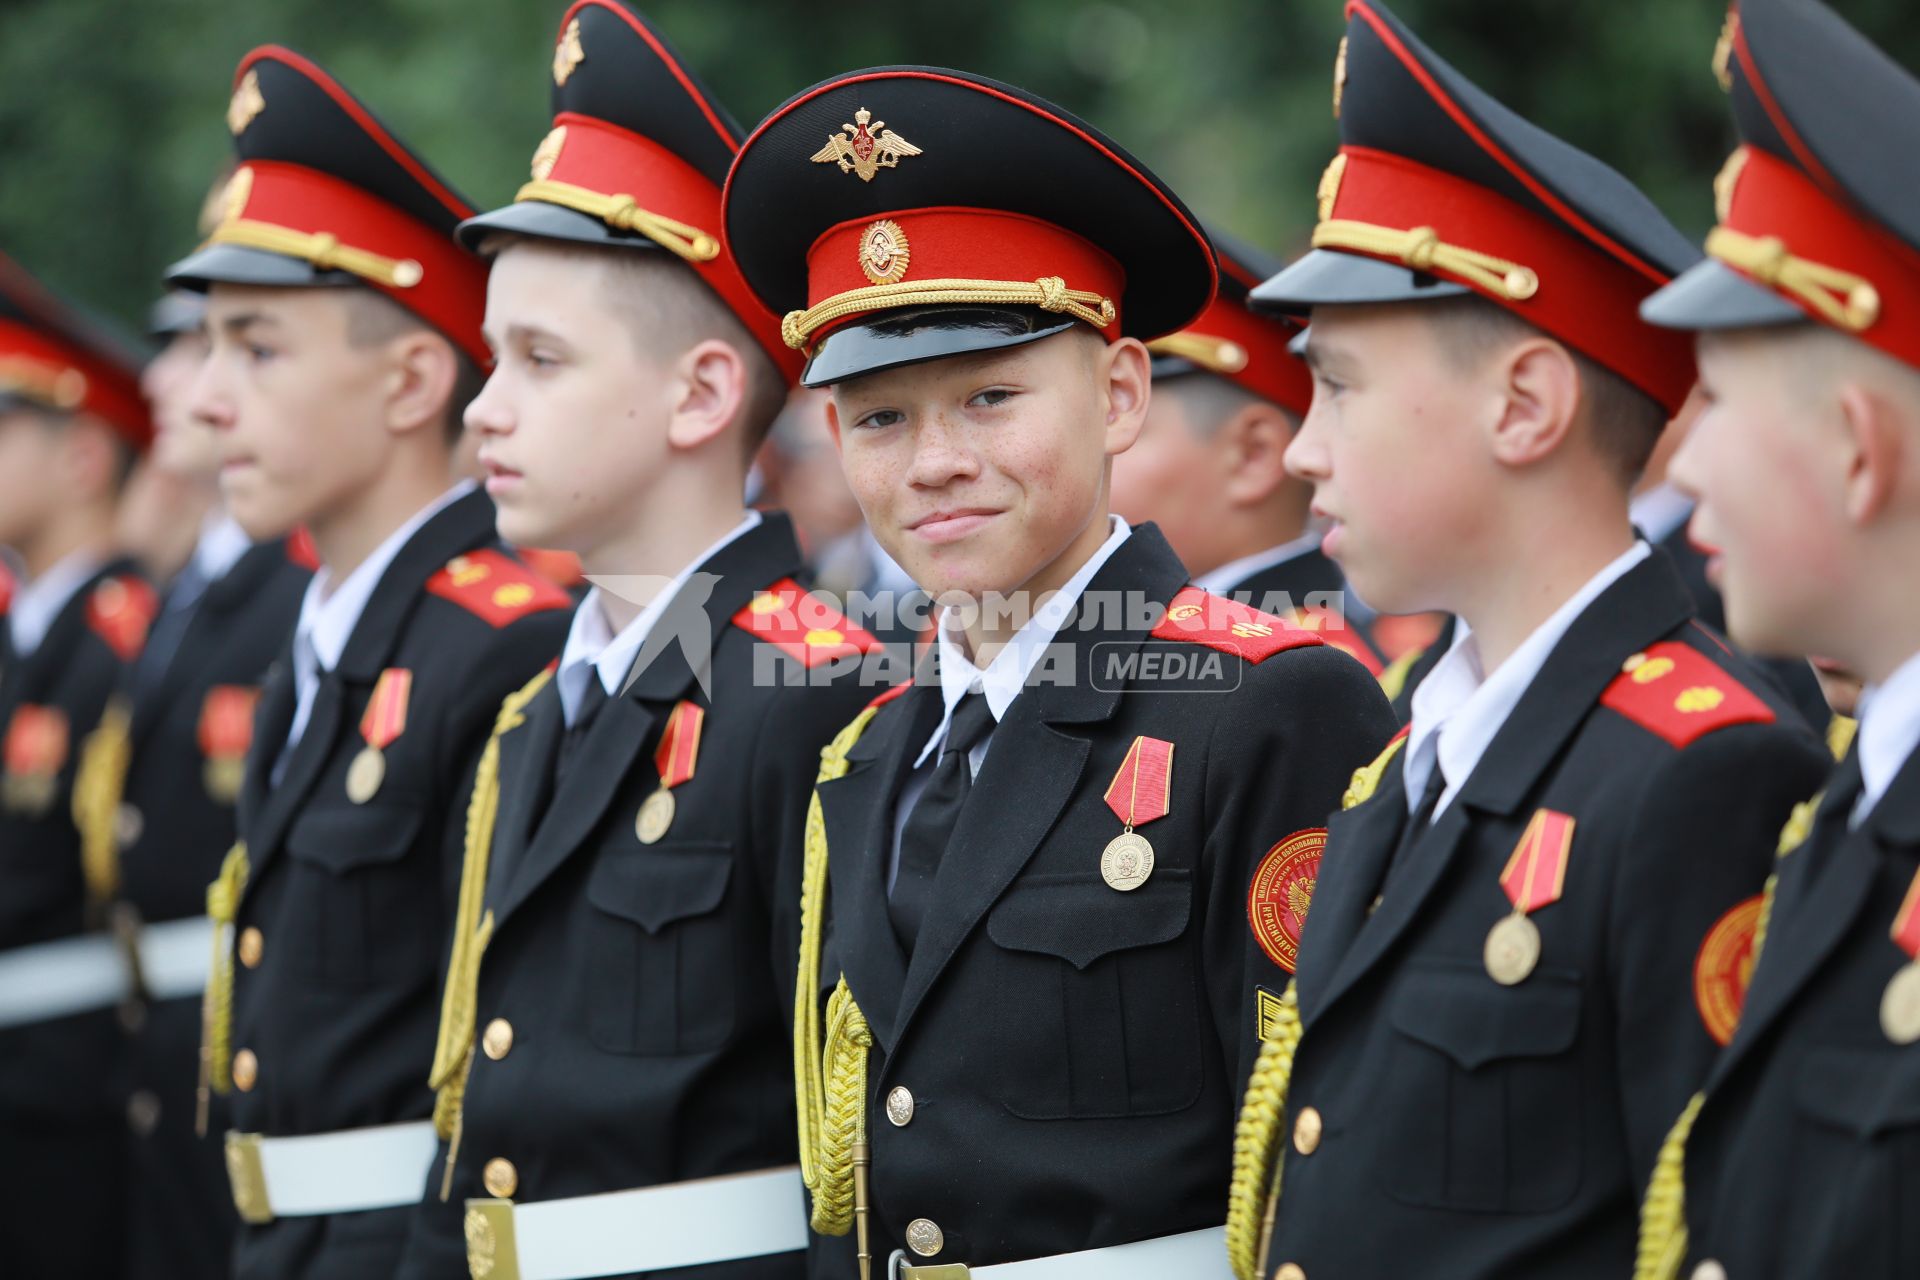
point(1246, 349)
point(39, 368)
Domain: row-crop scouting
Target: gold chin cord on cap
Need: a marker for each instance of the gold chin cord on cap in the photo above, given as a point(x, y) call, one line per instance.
point(622, 213)
point(1422, 249)
point(1049, 293)
point(321, 249)
point(1216, 355)
point(1844, 299)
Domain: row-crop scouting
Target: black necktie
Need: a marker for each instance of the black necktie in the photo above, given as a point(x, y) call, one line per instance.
point(163, 639)
point(592, 699)
point(1418, 821)
point(935, 815)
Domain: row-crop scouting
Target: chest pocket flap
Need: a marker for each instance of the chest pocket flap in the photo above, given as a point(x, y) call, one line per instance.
point(663, 884)
point(346, 838)
point(1866, 1092)
point(1079, 919)
point(1473, 1021)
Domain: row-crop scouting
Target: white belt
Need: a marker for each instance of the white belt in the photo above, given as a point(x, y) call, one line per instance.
point(682, 1224)
point(381, 1167)
point(73, 975)
point(1193, 1255)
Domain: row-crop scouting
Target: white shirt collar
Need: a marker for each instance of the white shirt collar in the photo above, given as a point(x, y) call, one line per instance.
point(1659, 511)
point(329, 613)
point(37, 603)
point(593, 647)
point(1471, 704)
point(222, 543)
point(1007, 674)
point(1230, 575)
point(1889, 732)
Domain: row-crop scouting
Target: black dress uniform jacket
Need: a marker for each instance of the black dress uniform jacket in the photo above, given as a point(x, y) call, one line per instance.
point(1296, 582)
point(649, 987)
point(1074, 1053)
point(1471, 1129)
point(177, 829)
point(62, 1115)
point(355, 901)
point(1805, 1157)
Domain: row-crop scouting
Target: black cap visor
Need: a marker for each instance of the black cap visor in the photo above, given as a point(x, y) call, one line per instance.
point(543, 221)
point(236, 264)
point(1328, 277)
point(913, 336)
point(1711, 295)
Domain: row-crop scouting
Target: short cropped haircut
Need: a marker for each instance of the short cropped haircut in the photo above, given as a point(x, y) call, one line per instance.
point(1211, 401)
point(374, 319)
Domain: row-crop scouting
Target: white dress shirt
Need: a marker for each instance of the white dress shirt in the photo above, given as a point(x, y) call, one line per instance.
point(592, 647)
point(1659, 511)
point(222, 543)
point(329, 613)
point(1889, 733)
point(37, 603)
point(1002, 680)
point(1460, 706)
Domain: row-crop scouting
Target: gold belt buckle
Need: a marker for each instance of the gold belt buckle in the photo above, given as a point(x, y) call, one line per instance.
point(492, 1252)
point(248, 1178)
point(897, 1269)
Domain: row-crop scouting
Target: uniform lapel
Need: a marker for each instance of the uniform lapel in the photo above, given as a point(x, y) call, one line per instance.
point(206, 627)
point(527, 756)
point(1360, 843)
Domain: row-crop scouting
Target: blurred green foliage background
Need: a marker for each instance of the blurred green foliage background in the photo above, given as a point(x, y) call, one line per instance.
point(111, 111)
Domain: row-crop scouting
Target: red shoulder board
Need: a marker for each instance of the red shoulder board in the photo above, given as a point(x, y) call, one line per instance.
point(301, 551)
point(561, 568)
point(496, 587)
point(1219, 623)
point(119, 610)
point(1678, 692)
point(1333, 629)
point(803, 625)
point(6, 590)
point(888, 695)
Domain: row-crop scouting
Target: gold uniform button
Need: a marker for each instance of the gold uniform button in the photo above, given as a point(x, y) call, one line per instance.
point(246, 1070)
point(1290, 1271)
point(497, 1039)
point(500, 1177)
point(253, 945)
point(925, 1238)
point(900, 1106)
point(1306, 1132)
point(1709, 1270)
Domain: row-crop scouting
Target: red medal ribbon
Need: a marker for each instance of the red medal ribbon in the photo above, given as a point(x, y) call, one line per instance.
point(1537, 871)
point(1142, 789)
point(36, 741)
point(1906, 924)
point(226, 721)
point(679, 749)
point(386, 715)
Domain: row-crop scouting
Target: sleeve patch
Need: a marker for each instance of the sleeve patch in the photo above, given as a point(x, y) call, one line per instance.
point(803, 626)
point(1266, 1014)
point(496, 587)
point(1281, 892)
point(1200, 617)
point(1676, 691)
point(119, 611)
point(1724, 969)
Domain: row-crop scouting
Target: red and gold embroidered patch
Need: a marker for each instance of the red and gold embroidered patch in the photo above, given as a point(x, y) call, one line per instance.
point(119, 611)
point(1724, 969)
point(1281, 892)
point(1229, 626)
point(496, 587)
point(1678, 692)
point(803, 625)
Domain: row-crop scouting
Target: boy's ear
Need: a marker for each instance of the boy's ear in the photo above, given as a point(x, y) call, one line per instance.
point(1124, 371)
point(1540, 389)
point(709, 383)
point(420, 382)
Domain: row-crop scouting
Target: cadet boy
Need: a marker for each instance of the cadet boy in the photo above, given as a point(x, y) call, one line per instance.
point(1040, 856)
point(156, 792)
point(1798, 1157)
point(1524, 949)
point(1208, 469)
point(71, 424)
point(624, 956)
point(345, 325)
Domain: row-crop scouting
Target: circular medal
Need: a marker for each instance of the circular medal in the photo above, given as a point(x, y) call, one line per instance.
point(1127, 861)
point(223, 775)
point(1513, 948)
point(365, 774)
point(655, 816)
point(1900, 1006)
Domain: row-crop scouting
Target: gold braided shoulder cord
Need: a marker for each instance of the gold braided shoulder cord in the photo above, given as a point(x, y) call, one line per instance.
point(1049, 293)
point(216, 1004)
point(321, 249)
point(1253, 1196)
point(1663, 1212)
point(829, 1071)
point(1844, 299)
point(453, 1048)
point(99, 785)
point(1394, 679)
point(623, 213)
point(1422, 249)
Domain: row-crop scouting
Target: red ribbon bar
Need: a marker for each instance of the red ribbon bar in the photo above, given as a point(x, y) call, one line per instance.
point(36, 740)
point(1537, 871)
point(679, 749)
point(1142, 790)
point(386, 715)
point(226, 721)
point(1906, 925)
